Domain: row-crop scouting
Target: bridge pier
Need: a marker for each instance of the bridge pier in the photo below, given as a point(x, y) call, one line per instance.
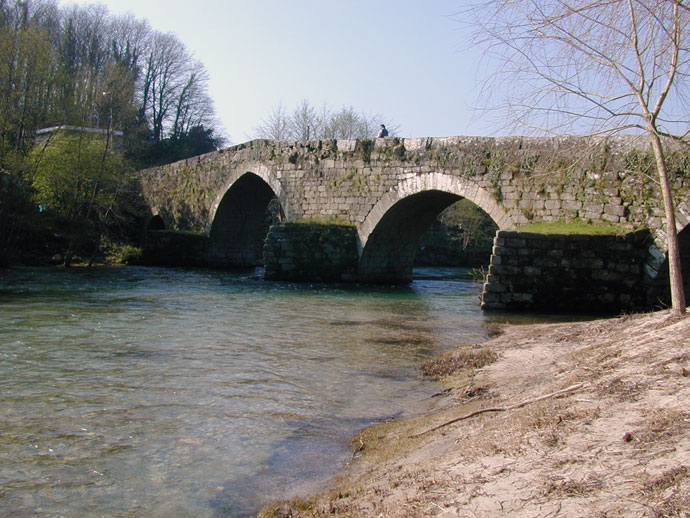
point(573, 273)
point(309, 251)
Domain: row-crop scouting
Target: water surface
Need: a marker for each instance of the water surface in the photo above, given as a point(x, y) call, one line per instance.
point(151, 392)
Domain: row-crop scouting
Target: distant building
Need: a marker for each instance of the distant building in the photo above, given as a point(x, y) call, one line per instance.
point(45, 134)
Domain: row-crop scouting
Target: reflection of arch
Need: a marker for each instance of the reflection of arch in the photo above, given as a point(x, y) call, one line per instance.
point(241, 221)
point(389, 236)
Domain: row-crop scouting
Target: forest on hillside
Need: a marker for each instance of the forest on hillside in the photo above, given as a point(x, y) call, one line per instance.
point(141, 93)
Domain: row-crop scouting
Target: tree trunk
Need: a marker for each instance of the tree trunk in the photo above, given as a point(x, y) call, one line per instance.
point(674, 269)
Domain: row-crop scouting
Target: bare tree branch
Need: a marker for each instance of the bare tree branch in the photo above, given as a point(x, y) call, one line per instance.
point(594, 66)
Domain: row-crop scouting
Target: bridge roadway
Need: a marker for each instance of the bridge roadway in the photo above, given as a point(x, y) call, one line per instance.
point(391, 189)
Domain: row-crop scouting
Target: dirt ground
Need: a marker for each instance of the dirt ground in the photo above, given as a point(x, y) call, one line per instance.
point(573, 420)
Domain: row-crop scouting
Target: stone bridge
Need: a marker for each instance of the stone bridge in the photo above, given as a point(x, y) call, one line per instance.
point(390, 190)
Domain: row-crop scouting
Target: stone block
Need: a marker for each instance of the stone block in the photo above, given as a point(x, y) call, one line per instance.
point(503, 251)
point(611, 192)
point(606, 275)
point(611, 219)
point(620, 246)
point(494, 287)
point(346, 145)
point(511, 260)
point(572, 205)
point(523, 297)
point(594, 208)
point(621, 267)
point(515, 242)
point(614, 209)
point(491, 297)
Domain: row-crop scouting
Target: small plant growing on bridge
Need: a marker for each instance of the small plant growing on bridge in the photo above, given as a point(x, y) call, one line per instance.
point(323, 220)
point(365, 147)
point(638, 162)
point(399, 151)
point(573, 227)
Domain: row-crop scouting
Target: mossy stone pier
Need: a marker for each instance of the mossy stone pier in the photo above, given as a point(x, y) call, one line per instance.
point(389, 190)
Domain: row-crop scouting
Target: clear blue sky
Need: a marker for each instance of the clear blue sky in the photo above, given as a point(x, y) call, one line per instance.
point(400, 58)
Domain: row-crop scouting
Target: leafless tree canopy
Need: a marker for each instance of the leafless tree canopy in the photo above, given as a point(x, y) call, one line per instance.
point(594, 66)
point(591, 66)
point(306, 122)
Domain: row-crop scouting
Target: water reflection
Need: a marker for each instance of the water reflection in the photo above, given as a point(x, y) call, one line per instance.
point(160, 392)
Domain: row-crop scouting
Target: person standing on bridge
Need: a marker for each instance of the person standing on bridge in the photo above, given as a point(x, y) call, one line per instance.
point(383, 132)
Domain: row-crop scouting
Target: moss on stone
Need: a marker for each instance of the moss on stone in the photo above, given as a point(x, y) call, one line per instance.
point(324, 220)
point(573, 227)
point(365, 147)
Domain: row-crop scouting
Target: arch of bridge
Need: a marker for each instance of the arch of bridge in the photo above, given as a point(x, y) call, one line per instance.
point(457, 185)
point(267, 174)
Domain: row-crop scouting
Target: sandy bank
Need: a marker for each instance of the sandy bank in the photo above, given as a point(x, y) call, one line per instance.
point(585, 419)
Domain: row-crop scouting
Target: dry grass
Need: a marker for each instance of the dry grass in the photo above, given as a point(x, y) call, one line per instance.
point(569, 487)
point(669, 493)
point(663, 424)
point(460, 359)
point(494, 329)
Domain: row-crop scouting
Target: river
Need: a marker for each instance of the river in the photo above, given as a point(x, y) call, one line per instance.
point(152, 392)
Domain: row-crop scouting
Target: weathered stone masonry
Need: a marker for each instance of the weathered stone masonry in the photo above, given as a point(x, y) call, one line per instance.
point(389, 189)
point(567, 272)
point(516, 180)
point(311, 251)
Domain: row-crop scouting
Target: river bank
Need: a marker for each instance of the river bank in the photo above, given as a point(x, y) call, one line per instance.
point(576, 419)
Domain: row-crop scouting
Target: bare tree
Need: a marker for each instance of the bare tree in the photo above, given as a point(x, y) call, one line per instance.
point(128, 40)
point(165, 65)
point(276, 126)
point(594, 66)
point(193, 106)
point(173, 89)
point(306, 123)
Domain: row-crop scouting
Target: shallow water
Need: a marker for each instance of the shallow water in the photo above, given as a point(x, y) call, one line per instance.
point(151, 392)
